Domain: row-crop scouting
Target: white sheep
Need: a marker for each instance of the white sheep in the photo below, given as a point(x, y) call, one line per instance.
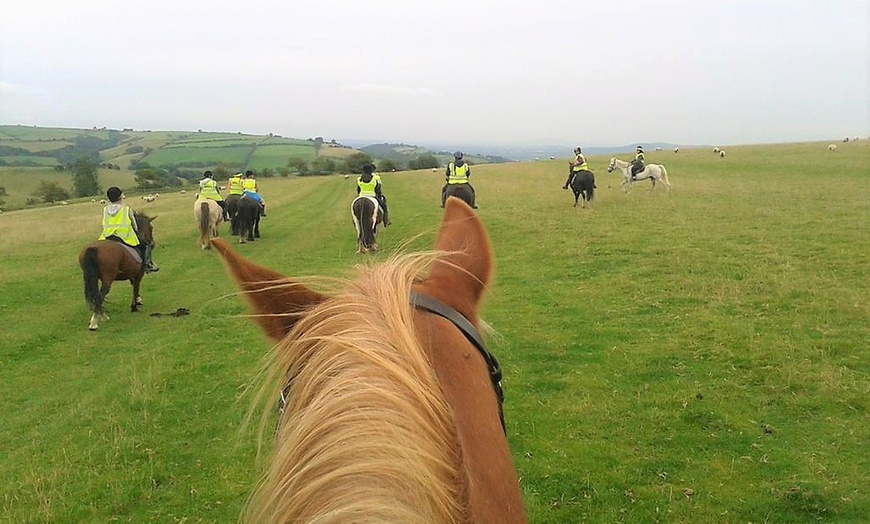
point(832, 147)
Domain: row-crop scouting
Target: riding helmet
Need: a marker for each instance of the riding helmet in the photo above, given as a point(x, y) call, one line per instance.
point(113, 194)
point(457, 155)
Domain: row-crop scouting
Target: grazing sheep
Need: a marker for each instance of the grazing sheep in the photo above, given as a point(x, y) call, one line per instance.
point(658, 149)
point(832, 147)
point(182, 192)
point(676, 150)
point(716, 150)
point(64, 203)
point(103, 201)
point(721, 153)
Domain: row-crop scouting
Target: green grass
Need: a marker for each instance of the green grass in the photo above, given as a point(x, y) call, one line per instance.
point(692, 357)
point(275, 156)
point(21, 182)
point(177, 155)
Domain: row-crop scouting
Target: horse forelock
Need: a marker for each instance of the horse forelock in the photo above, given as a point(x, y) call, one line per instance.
point(366, 434)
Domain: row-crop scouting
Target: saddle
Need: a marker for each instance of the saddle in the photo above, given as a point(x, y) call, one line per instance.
point(132, 251)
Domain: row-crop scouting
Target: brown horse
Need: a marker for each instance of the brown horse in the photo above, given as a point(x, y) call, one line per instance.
point(208, 214)
point(391, 402)
point(105, 261)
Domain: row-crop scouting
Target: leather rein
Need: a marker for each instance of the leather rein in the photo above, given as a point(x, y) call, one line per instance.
point(433, 305)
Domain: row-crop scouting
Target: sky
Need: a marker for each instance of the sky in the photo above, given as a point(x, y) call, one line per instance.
point(546, 72)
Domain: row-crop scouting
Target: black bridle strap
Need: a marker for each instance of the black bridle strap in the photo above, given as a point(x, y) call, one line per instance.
point(433, 305)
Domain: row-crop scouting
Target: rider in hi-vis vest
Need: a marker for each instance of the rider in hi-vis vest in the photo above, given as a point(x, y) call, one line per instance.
point(251, 190)
point(119, 224)
point(578, 164)
point(637, 164)
point(209, 189)
point(234, 185)
point(369, 185)
point(458, 172)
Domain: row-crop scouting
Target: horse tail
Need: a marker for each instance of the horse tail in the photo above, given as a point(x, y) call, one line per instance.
point(204, 223)
point(91, 274)
point(665, 176)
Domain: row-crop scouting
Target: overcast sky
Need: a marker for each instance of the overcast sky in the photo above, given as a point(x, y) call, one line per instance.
point(602, 73)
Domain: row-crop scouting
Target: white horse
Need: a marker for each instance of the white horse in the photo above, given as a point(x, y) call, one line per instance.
point(654, 172)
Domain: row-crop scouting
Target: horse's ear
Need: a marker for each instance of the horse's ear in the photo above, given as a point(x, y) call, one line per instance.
point(460, 277)
point(276, 300)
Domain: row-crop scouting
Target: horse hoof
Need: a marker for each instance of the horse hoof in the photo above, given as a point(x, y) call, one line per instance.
point(92, 328)
point(138, 301)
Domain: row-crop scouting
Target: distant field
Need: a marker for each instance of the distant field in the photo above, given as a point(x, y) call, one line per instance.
point(36, 145)
point(38, 160)
point(25, 133)
point(692, 357)
point(276, 156)
point(179, 155)
point(21, 182)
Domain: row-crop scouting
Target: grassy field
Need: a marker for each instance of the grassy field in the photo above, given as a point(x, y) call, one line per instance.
point(698, 356)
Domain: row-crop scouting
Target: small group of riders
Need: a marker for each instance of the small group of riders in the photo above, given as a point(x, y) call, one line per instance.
point(237, 185)
point(119, 222)
point(579, 163)
point(369, 183)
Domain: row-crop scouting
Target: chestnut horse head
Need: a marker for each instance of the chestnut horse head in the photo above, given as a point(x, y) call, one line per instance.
point(390, 413)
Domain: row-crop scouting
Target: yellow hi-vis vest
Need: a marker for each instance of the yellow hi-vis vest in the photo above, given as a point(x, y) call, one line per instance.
point(367, 188)
point(250, 184)
point(458, 175)
point(208, 189)
point(235, 185)
point(580, 164)
point(120, 225)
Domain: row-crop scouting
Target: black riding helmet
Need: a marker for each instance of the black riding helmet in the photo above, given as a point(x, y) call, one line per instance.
point(113, 194)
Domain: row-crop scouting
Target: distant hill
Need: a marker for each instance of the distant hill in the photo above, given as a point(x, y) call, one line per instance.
point(403, 153)
point(24, 146)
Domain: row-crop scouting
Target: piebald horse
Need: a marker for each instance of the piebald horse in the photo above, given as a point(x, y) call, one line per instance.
point(391, 404)
point(654, 172)
point(208, 214)
point(367, 215)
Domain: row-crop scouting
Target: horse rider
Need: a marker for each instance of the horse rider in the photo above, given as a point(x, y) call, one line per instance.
point(234, 185)
point(369, 185)
point(637, 164)
point(578, 164)
point(251, 190)
point(458, 172)
point(119, 224)
point(209, 189)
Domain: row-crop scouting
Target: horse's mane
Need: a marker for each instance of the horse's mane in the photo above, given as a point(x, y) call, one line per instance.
point(366, 435)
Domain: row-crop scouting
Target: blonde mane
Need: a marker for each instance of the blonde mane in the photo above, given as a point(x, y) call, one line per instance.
point(366, 435)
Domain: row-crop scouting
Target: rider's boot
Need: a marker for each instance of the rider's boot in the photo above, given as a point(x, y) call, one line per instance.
point(147, 263)
point(262, 209)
